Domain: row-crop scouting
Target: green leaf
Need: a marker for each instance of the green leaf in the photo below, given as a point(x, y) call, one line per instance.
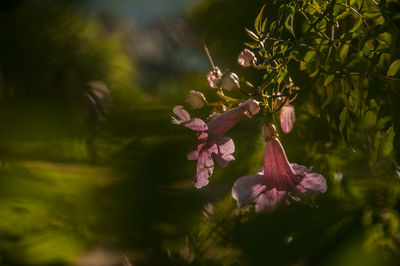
point(289, 19)
point(330, 99)
point(295, 56)
point(328, 79)
point(381, 123)
point(357, 25)
point(373, 14)
point(282, 76)
point(310, 56)
point(252, 45)
point(342, 120)
point(386, 146)
point(396, 16)
point(343, 52)
point(264, 25)
point(288, 24)
point(252, 35)
point(354, 98)
point(394, 68)
point(368, 120)
point(343, 128)
point(343, 15)
point(309, 62)
point(257, 22)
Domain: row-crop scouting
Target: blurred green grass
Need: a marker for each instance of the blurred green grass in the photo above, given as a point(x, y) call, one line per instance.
point(48, 209)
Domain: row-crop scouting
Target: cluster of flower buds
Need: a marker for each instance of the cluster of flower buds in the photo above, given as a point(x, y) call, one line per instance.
point(227, 80)
point(277, 181)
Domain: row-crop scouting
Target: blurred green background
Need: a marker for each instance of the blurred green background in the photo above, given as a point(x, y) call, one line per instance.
point(92, 172)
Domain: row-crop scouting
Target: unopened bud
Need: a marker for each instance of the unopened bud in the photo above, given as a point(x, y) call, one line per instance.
point(195, 99)
point(287, 117)
point(213, 116)
point(269, 131)
point(252, 107)
point(221, 108)
point(213, 77)
point(229, 81)
point(247, 58)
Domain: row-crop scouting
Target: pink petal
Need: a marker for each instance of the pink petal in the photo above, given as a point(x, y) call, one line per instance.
point(277, 170)
point(226, 121)
point(223, 160)
point(271, 199)
point(287, 118)
point(195, 124)
point(202, 136)
point(193, 155)
point(247, 188)
point(225, 147)
point(205, 166)
point(311, 182)
point(299, 169)
point(181, 113)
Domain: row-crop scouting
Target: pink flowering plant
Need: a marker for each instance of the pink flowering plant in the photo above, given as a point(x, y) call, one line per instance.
point(325, 79)
point(273, 46)
point(278, 181)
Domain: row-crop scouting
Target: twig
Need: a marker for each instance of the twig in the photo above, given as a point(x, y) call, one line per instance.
point(208, 55)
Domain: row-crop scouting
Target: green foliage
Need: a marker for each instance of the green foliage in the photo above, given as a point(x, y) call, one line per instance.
point(394, 68)
point(343, 55)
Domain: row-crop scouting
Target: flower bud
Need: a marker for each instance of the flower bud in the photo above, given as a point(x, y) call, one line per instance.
point(221, 108)
point(213, 77)
point(229, 81)
point(252, 107)
point(247, 58)
point(195, 99)
point(287, 117)
point(269, 131)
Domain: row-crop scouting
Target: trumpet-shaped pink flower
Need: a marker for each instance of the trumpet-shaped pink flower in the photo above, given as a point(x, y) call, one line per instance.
point(287, 117)
point(277, 181)
point(211, 143)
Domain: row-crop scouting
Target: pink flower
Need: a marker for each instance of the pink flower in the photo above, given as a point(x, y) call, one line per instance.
point(247, 58)
point(287, 117)
point(213, 77)
point(277, 181)
point(211, 143)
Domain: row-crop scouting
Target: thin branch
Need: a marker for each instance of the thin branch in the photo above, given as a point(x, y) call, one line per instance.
point(355, 11)
point(208, 55)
